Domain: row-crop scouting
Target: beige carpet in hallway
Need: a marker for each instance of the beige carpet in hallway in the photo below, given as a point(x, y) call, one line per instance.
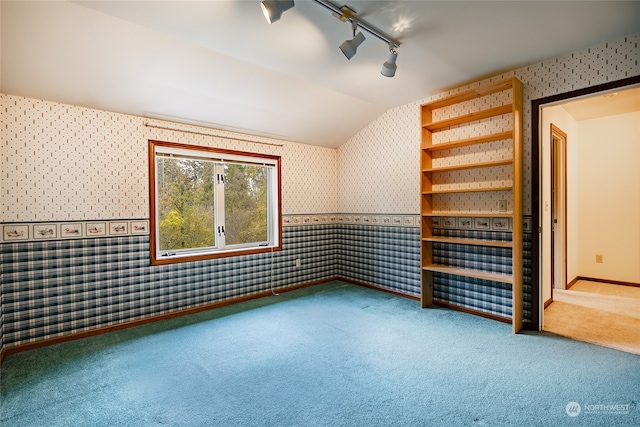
point(599, 313)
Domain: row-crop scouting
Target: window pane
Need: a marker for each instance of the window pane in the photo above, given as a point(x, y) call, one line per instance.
point(245, 193)
point(185, 203)
point(193, 204)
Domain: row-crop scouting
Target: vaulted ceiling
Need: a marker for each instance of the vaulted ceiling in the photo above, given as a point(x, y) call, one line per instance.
point(220, 64)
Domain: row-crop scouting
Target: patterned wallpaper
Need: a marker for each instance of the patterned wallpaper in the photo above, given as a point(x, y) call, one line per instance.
point(378, 167)
point(66, 163)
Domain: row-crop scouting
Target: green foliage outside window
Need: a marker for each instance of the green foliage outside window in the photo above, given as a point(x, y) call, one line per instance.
point(245, 204)
point(185, 195)
point(187, 204)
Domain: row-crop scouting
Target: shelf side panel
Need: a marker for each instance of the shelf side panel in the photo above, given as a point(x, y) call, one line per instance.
point(518, 298)
point(426, 289)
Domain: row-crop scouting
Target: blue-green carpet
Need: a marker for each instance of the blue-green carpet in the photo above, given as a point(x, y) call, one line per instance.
point(329, 355)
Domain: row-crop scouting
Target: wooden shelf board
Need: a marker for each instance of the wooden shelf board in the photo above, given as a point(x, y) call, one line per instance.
point(470, 94)
point(469, 190)
point(471, 117)
point(470, 166)
point(470, 141)
point(475, 242)
point(476, 274)
point(472, 215)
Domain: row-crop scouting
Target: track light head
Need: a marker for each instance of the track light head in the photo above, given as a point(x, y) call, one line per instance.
point(273, 9)
point(350, 47)
point(389, 67)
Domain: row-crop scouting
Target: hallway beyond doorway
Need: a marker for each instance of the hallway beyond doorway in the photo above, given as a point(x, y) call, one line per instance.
point(599, 313)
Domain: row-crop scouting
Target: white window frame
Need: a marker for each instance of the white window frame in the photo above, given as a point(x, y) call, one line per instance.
point(220, 157)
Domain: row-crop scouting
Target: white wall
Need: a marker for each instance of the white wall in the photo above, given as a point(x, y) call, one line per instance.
point(558, 116)
point(609, 197)
point(603, 187)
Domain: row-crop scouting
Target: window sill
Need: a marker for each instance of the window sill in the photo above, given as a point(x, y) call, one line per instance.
point(177, 258)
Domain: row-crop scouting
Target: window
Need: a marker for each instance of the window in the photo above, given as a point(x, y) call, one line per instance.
point(208, 203)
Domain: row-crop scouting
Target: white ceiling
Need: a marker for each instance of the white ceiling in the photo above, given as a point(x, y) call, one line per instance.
point(604, 104)
point(219, 64)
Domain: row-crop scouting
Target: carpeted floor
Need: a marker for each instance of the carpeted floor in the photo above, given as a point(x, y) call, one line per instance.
point(599, 313)
point(330, 355)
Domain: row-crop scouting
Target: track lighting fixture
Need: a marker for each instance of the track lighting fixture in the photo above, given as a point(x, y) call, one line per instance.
point(389, 67)
point(350, 47)
point(273, 9)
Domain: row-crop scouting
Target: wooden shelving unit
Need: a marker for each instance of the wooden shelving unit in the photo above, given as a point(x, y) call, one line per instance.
point(429, 194)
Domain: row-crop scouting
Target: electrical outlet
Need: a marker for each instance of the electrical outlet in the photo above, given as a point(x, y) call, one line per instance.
point(298, 262)
point(599, 259)
point(502, 205)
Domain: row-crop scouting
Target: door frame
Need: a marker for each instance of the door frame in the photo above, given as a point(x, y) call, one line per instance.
point(558, 181)
point(537, 306)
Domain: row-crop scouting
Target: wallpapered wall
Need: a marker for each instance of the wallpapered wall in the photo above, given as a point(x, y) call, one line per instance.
point(379, 166)
point(64, 163)
point(61, 162)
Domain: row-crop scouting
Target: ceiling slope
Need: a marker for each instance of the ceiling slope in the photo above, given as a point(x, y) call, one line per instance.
point(219, 64)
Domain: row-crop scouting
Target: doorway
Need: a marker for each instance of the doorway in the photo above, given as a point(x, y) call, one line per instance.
point(541, 210)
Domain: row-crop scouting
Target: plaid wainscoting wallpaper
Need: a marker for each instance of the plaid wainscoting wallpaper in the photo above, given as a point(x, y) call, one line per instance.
point(480, 295)
point(387, 257)
point(58, 287)
point(54, 288)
